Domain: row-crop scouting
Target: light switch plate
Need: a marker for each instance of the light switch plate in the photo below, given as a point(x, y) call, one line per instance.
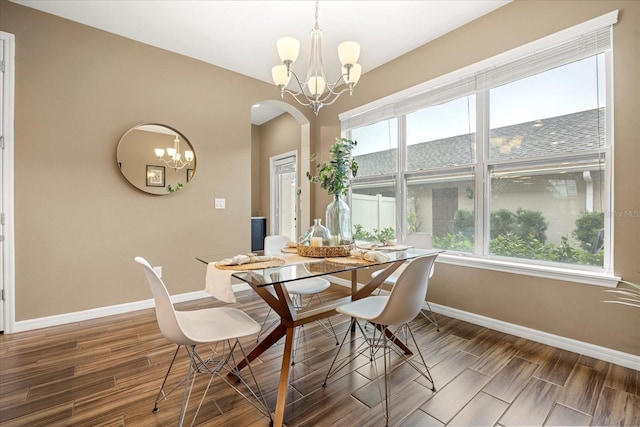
point(220, 203)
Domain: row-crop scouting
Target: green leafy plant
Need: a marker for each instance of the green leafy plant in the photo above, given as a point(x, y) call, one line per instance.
point(382, 236)
point(463, 222)
point(170, 189)
point(530, 223)
point(522, 223)
point(334, 176)
point(626, 296)
point(588, 225)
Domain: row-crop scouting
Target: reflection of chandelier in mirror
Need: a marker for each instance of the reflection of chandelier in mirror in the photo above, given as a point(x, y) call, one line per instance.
point(315, 92)
point(505, 145)
point(175, 158)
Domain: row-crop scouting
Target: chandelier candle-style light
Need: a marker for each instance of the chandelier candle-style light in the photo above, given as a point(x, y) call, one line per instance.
point(315, 92)
point(175, 158)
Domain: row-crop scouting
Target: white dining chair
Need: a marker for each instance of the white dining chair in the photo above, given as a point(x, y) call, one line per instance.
point(389, 313)
point(221, 326)
point(298, 289)
point(421, 241)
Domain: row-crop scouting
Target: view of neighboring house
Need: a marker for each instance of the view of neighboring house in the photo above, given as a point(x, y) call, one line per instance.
point(432, 205)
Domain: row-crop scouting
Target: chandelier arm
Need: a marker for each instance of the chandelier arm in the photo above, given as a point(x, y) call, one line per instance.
point(295, 96)
point(337, 95)
point(315, 74)
point(300, 85)
point(173, 164)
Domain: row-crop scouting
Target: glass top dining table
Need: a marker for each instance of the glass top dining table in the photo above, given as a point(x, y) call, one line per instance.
point(270, 284)
point(297, 267)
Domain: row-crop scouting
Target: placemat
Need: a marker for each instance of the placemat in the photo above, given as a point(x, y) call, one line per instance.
point(374, 247)
point(349, 260)
point(273, 262)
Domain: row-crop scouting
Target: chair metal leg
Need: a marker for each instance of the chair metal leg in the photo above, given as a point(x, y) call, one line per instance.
point(186, 394)
point(298, 303)
point(199, 365)
point(430, 316)
point(228, 364)
point(387, 364)
point(329, 329)
point(264, 322)
point(161, 394)
point(332, 372)
point(375, 342)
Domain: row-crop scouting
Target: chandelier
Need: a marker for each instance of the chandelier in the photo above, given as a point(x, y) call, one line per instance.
point(315, 92)
point(175, 158)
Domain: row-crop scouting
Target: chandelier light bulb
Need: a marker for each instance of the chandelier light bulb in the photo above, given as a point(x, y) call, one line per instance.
point(348, 52)
point(280, 75)
point(353, 74)
point(316, 85)
point(316, 92)
point(288, 49)
point(174, 160)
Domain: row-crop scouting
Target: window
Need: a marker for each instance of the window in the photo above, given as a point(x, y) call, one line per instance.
point(510, 162)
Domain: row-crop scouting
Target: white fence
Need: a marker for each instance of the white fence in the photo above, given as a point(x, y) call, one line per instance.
point(373, 212)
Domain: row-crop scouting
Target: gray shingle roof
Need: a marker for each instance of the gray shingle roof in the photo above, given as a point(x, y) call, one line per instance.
point(566, 134)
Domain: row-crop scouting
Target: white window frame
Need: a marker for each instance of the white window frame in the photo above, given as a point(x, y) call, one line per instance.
point(397, 105)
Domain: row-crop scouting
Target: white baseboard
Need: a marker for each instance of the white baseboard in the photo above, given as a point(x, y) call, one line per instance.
point(95, 313)
point(603, 353)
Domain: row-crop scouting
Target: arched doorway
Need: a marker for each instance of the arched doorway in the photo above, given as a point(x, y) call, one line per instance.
point(262, 187)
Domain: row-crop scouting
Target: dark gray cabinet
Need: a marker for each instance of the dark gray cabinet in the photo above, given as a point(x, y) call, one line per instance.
point(258, 232)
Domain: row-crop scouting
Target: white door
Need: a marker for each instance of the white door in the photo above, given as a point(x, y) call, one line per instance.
point(2, 180)
point(284, 195)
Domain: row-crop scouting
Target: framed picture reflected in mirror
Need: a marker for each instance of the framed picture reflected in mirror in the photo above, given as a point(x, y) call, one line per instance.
point(155, 176)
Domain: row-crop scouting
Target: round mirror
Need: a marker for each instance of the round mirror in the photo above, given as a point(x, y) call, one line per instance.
point(156, 159)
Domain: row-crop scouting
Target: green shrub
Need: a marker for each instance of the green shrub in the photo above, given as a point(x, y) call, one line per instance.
point(503, 222)
point(510, 245)
point(531, 223)
point(588, 225)
point(384, 235)
point(463, 222)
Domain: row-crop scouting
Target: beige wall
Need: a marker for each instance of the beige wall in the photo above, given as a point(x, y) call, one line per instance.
point(255, 170)
point(79, 224)
point(566, 309)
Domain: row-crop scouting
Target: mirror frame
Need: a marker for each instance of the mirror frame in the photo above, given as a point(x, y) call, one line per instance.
point(156, 190)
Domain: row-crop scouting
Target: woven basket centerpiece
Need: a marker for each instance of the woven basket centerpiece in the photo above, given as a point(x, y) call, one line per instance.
point(324, 251)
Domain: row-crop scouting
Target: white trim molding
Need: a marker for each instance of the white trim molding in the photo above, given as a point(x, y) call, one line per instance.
point(8, 115)
point(602, 353)
point(613, 356)
point(536, 270)
point(96, 313)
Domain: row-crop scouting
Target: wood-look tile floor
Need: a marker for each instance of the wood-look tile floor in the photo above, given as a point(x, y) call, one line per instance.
point(107, 372)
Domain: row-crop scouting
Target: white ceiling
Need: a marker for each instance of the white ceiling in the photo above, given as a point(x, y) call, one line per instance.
point(241, 35)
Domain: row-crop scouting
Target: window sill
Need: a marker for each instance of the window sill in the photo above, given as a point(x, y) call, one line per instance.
point(544, 271)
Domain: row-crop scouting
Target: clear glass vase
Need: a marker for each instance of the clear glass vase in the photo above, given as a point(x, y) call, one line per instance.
point(316, 235)
point(338, 219)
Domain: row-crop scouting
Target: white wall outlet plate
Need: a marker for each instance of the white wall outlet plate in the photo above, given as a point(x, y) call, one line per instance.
point(220, 203)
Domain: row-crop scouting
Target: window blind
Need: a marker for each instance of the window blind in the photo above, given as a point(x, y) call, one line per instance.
point(576, 43)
